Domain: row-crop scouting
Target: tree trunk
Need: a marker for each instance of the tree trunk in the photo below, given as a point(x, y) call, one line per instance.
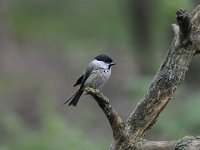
point(128, 135)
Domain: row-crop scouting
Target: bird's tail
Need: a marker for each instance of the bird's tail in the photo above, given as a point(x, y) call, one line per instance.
point(74, 97)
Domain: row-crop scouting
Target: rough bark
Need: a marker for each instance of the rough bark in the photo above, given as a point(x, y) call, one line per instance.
point(188, 143)
point(129, 135)
point(169, 77)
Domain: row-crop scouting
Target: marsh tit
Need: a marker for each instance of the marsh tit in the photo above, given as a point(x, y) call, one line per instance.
point(95, 76)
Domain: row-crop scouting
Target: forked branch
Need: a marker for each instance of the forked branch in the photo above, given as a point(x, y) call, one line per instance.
point(168, 78)
point(127, 135)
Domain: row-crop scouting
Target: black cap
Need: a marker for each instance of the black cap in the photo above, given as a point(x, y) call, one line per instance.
point(104, 58)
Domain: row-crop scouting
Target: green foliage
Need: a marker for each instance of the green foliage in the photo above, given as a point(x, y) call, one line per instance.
point(66, 20)
point(55, 134)
point(138, 85)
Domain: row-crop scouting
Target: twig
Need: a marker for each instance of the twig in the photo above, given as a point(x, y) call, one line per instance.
point(112, 116)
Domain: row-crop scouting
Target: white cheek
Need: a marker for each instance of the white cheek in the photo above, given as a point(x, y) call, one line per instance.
point(100, 64)
point(103, 65)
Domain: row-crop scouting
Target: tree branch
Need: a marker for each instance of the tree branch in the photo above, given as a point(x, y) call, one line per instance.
point(157, 145)
point(113, 117)
point(127, 135)
point(184, 22)
point(188, 142)
point(168, 78)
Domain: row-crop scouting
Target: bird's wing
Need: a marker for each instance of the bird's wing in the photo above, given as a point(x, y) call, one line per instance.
point(87, 73)
point(79, 81)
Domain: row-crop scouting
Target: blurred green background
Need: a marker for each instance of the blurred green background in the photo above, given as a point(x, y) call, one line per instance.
point(44, 47)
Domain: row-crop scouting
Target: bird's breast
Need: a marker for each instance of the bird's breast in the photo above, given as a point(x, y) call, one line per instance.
point(98, 78)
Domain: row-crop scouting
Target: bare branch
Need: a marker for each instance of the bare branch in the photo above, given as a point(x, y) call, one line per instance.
point(112, 116)
point(188, 142)
point(184, 23)
point(127, 135)
point(157, 145)
point(176, 30)
point(169, 77)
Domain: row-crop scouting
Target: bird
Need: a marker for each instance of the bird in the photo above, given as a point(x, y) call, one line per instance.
point(96, 74)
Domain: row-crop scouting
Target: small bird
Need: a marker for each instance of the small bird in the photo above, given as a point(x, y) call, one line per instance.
point(95, 76)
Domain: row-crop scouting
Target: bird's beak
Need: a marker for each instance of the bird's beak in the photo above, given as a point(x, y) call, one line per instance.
point(112, 64)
